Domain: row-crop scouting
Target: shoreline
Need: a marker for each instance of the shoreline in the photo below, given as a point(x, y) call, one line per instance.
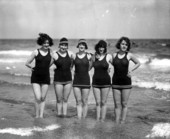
point(17, 110)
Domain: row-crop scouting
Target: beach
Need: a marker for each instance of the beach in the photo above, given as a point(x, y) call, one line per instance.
point(148, 113)
point(17, 112)
point(145, 23)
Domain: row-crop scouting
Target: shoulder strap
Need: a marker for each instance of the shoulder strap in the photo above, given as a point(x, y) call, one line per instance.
point(106, 55)
point(67, 54)
point(48, 51)
point(86, 55)
point(126, 54)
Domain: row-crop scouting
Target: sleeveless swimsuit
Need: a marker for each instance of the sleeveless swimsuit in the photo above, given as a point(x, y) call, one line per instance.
point(62, 73)
point(120, 79)
point(41, 73)
point(101, 77)
point(81, 76)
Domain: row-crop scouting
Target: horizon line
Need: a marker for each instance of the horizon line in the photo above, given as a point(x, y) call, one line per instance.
point(82, 38)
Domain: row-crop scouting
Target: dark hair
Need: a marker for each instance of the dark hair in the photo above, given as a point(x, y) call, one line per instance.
point(83, 42)
point(101, 43)
point(127, 40)
point(63, 41)
point(43, 37)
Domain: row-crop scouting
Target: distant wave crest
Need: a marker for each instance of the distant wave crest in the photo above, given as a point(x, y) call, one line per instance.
point(154, 61)
point(160, 62)
point(11, 60)
point(15, 52)
point(150, 84)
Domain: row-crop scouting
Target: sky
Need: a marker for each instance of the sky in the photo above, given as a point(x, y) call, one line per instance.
point(85, 18)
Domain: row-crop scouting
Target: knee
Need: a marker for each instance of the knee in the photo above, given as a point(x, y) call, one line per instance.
point(98, 103)
point(117, 105)
point(103, 103)
point(38, 100)
point(42, 99)
point(65, 100)
point(78, 102)
point(59, 100)
point(85, 101)
point(124, 104)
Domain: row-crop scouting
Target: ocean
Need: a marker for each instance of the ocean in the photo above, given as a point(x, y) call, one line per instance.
point(154, 55)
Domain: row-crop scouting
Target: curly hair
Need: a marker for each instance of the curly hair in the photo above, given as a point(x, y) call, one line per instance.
point(43, 37)
point(126, 39)
point(101, 43)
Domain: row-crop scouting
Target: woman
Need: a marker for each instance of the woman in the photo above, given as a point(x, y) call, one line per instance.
point(81, 83)
point(62, 76)
point(121, 81)
point(101, 81)
point(40, 78)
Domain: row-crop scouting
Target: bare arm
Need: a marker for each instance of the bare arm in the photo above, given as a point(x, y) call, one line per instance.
point(72, 56)
point(109, 61)
point(113, 56)
point(30, 59)
point(91, 61)
point(52, 57)
point(89, 56)
point(109, 58)
point(135, 61)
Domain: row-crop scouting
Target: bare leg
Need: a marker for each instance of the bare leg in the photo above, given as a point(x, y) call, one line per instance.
point(44, 89)
point(85, 94)
point(67, 90)
point(59, 97)
point(77, 94)
point(117, 101)
point(96, 92)
point(125, 97)
point(37, 95)
point(104, 95)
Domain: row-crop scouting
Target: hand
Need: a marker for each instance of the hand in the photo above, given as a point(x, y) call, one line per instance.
point(129, 74)
point(109, 69)
point(32, 69)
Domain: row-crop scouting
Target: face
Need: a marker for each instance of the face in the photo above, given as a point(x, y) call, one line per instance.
point(63, 47)
point(81, 48)
point(101, 50)
point(46, 44)
point(123, 46)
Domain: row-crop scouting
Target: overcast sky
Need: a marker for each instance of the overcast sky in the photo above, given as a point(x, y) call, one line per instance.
point(85, 18)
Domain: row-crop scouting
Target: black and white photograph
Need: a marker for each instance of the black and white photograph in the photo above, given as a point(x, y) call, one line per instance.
point(84, 69)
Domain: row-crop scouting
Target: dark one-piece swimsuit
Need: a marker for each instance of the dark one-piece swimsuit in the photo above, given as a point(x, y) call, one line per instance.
point(101, 77)
point(62, 73)
point(41, 73)
point(120, 79)
point(81, 76)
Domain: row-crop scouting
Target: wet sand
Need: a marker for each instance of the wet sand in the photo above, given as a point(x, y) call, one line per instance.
point(17, 111)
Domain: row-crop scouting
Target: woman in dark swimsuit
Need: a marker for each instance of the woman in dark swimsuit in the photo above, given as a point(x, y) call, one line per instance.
point(81, 82)
point(101, 81)
point(40, 78)
point(62, 76)
point(121, 81)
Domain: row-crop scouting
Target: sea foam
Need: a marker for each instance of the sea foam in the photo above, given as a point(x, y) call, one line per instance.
point(160, 62)
point(150, 84)
point(160, 130)
point(15, 52)
point(12, 60)
point(27, 131)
